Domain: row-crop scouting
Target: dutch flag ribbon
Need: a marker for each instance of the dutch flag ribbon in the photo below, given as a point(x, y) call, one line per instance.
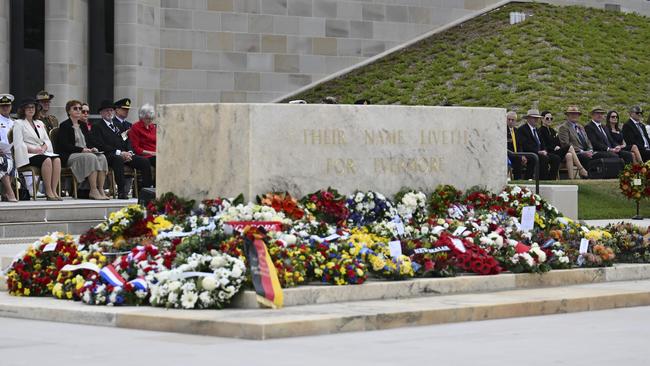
point(110, 275)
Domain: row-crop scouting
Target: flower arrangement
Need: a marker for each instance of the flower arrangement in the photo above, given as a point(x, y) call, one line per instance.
point(633, 181)
point(441, 198)
point(35, 272)
point(327, 205)
point(336, 266)
point(369, 207)
point(171, 205)
point(630, 243)
point(412, 206)
point(70, 282)
point(283, 202)
point(375, 251)
point(204, 281)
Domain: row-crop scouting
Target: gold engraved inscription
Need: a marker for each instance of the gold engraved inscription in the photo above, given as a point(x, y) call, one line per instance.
point(444, 137)
point(341, 166)
point(384, 137)
point(327, 136)
point(419, 165)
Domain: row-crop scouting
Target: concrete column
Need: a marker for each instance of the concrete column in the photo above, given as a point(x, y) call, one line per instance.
point(66, 59)
point(137, 52)
point(4, 46)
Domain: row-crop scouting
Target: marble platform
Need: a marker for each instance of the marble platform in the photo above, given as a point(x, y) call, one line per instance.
point(563, 197)
point(340, 317)
point(209, 150)
point(426, 287)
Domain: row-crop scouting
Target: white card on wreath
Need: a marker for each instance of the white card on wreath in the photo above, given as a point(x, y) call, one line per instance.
point(395, 248)
point(584, 245)
point(527, 218)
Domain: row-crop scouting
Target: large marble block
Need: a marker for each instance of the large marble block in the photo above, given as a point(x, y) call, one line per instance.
point(209, 150)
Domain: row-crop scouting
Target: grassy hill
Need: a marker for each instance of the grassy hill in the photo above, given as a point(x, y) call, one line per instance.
point(558, 56)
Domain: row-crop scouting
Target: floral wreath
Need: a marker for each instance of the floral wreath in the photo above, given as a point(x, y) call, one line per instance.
point(633, 181)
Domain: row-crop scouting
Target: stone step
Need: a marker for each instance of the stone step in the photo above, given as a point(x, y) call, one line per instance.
point(40, 228)
point(423, 287)
point(66, 210)
point(309, 320)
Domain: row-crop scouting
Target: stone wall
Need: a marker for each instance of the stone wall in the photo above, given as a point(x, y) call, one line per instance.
point(258, 50)
point(4, 46)
point(211, 150)
point(66, 56)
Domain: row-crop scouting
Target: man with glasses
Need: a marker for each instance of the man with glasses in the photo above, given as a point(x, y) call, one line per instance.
point(571, 133)
point(634, 132)
point(531, 142)
point(44, 100)
point(600, 137)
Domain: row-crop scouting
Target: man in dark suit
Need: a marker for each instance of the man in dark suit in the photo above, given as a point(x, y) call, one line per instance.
point(110, 139)
point(122, 108)
point(529, 139)
point(517, 162)
point(634, 132)
point(600, 137)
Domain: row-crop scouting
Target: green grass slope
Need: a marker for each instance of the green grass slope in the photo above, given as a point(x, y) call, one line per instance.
point(558, 56)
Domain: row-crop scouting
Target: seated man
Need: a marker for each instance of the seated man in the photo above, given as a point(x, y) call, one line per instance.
point(573, 134)
point(528, 137)
point(600, 137)
point(517, 162)
point(634, 132)
point(113, 142)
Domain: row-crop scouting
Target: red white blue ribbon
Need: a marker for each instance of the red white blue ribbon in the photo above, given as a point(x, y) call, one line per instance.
point(111, 276)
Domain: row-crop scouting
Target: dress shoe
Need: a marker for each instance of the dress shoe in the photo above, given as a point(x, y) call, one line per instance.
point(123, 196)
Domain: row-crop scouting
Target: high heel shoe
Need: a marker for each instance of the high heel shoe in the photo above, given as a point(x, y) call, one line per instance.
point(583, 173)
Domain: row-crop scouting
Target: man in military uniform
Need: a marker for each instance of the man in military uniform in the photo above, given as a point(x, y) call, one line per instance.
point(6, 160)
point(6, 123)
point(44, 98)
point(122, 108)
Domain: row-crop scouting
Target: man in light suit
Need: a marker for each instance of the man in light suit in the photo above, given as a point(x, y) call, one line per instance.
point(572, 133)
point(634, 132)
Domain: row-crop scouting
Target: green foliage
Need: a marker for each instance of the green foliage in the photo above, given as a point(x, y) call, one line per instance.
point(558, 56)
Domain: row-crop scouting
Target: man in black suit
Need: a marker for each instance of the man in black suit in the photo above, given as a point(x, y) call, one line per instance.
point(549, 164)
point(110, 139)
point(634, 132)
point(600, 137)
point(517, 162)
point(122, 108)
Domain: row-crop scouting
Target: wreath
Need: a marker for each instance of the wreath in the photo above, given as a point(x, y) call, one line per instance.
point(633, 181)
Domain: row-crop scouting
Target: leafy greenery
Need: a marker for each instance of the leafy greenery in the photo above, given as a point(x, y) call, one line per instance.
point(556, 57)
point(602, 199)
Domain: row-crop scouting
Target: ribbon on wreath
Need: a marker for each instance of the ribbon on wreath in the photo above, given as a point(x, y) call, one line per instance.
point(111, 276)
point(263, 273)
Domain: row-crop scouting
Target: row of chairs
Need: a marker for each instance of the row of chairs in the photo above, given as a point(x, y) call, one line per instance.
point(66, 172)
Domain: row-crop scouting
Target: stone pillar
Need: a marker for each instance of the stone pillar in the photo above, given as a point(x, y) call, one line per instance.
point(137, 52)
point(4, 46)
point(66, 59)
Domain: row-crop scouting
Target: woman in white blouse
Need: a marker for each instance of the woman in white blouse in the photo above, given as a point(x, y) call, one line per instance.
point(32, 146)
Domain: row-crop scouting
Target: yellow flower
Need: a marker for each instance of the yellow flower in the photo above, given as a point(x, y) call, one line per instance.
point(26, 291)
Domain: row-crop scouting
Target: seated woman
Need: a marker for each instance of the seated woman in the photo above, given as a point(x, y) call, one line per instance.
point(612, 123)
point(74, 144)
point(551, 143)
point(32, 146)
point(7, 171)
point(143, 134)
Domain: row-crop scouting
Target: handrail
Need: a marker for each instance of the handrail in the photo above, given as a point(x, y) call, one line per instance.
point(534, 157)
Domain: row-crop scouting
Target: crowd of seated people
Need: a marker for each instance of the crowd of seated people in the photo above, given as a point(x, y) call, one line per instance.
point(35, 145)
point(575, 144)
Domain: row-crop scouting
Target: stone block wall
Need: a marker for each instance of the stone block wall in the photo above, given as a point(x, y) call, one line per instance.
point(180, 51)
point(258, 50)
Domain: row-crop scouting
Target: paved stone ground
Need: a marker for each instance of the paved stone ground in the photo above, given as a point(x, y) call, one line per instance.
point(644, 223)
point(594, 338)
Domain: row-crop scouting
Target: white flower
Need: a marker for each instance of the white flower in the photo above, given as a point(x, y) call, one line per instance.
point(188, 286)
point(172, 298)
point(205, 298)
point(237, 270)
point(217, 262)
point(188, 300)
point(209, 283)
point(174, 285)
